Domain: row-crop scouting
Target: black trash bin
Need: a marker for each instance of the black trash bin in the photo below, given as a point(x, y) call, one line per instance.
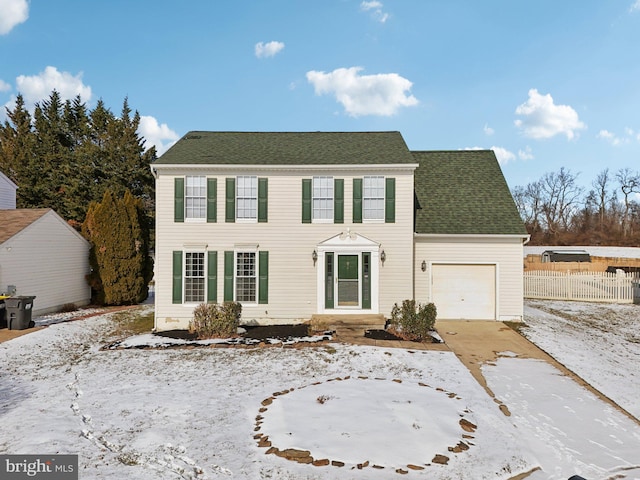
point(19, 312)
point(3, 316)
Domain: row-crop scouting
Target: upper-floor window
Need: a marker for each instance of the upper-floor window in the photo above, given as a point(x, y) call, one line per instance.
point(373, 198)
point(323, 198)
point(247, 198)
point(195, 197)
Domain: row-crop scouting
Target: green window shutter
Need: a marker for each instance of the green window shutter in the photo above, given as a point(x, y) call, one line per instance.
point(177, 277)
point(212, 276)
point(328, 280)
point(178, 199)
point(390, 200)
point(306, 200)
point(262, 199)
point(212, 196)
point(366, 280)
point(230, 200)
point(228, 276)
point(263, 277)
point(357, 200)
point(338, 200)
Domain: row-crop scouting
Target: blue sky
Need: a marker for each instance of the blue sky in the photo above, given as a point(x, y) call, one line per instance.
point(545, 83)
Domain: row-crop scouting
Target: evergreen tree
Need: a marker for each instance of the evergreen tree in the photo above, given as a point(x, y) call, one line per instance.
point(119, 255)
point(66, 156)
point(17, 149)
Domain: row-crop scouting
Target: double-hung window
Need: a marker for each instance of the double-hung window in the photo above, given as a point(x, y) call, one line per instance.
point(246, 198)
point(323, 199)
point(246, 277)
point(195, 197)
point(373, 198)
point(194, 277)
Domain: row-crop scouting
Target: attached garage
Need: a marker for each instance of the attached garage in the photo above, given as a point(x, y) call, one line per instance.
point(464, 291)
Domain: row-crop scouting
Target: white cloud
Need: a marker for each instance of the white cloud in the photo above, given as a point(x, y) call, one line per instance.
point(12, 13)
point(525, 154)
point(616, 140)
point(488, 130)
point(4, 86)
point(159, 135)
point(376, 9)
point(38, 87)
point(544, 119)
point(635, 7)
point(382, 94)
point(503, 155)
point(269, 49)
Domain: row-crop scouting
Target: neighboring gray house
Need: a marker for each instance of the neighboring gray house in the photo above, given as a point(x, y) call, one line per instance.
point(292, 224)
point(41, 255)
point(7, 192)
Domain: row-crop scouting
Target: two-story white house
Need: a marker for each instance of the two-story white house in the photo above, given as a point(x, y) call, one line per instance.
point(292, 224)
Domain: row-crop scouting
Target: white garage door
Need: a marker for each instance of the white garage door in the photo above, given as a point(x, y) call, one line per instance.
point(464, 291)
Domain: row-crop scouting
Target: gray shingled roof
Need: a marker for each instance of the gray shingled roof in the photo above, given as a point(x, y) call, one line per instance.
point(464, 192)
point(288, 148)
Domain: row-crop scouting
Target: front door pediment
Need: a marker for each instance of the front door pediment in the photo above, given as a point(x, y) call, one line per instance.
point(348, 239)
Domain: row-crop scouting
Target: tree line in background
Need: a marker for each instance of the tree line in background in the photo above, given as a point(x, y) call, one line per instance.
point(91, 167)
point(556, 210)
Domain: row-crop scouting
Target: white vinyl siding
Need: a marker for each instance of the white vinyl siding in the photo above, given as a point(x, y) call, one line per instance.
point(195, 197)
point(246, 198)
point(323, 199)
point(292, 273)
point(373, 198)
point(7, 193)
point(506, 254)
point(194, 277)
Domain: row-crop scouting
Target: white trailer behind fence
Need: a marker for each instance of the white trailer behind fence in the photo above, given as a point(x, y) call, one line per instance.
point(617, 287)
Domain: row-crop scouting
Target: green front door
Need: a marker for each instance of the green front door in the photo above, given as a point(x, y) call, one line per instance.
point(347, 281)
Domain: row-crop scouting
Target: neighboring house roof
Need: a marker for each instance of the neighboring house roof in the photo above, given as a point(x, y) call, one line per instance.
point(288, 148)
point(464, 192)
point(13, 221)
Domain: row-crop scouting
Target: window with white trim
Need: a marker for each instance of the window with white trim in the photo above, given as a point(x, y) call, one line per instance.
point(373, 198)
point(246, 277)
point(194, 277)
point(246, 198)
point(323, 199)
point(195, 197)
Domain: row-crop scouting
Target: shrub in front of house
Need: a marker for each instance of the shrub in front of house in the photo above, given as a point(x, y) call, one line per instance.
point(216, 320)
point(413, 320)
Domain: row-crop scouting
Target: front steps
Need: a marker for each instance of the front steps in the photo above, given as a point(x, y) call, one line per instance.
point(347, 326)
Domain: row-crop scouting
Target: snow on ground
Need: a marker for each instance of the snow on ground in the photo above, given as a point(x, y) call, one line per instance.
point(195, 412)
point(597, 341)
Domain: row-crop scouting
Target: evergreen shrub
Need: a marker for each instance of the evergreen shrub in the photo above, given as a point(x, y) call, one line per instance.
point(413, 320)
point(216, 320)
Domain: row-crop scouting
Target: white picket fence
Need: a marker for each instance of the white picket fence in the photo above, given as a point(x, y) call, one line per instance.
point(582, 286)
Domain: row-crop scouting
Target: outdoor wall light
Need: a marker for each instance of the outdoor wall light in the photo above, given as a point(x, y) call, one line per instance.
point(314, 257)
point(424, 266)
point(383, 256)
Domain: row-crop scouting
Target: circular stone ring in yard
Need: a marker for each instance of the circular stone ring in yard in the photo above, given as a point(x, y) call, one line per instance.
point(363, 422)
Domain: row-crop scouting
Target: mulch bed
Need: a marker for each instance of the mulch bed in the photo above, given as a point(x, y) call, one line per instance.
point(387, 335)
point(277, 332)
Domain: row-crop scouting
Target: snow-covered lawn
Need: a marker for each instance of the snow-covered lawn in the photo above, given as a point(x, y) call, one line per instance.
point(599, 342)
point(203, 412)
